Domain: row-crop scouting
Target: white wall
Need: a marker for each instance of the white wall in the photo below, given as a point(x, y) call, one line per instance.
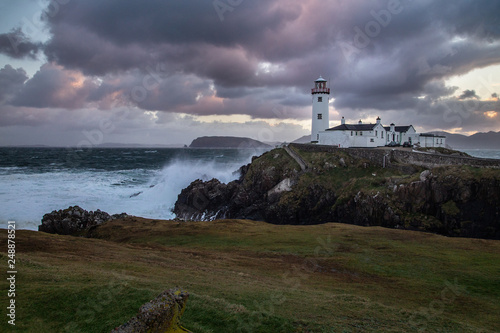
point(319, 125)
point(432, 141)
point(344, 139)
point(411, 133)
point(334, 138)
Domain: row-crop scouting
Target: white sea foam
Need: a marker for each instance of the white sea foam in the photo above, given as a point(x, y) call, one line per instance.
point(25, 197)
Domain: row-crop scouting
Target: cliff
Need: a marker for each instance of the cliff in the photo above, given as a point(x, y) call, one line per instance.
point(432, 193)
point(226, 142)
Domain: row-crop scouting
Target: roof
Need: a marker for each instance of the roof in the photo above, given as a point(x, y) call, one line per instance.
point(320, 79)
point(356, 127)
point(398, 128)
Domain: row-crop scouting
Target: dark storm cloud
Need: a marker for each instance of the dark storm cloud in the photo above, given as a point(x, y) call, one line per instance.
point(54, 87)
point(415, 39)
point(178, 22)
point(260, 56)
point(468, 94)
point(78, 48)
point(16, 44)
point(417, 46)
point(454, 113)
point(170, 92)
point(137, 33)
point(11, 81)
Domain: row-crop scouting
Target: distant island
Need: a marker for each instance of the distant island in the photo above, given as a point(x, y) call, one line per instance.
point(227, 142)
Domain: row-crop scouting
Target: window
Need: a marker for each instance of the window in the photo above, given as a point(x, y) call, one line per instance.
point(361, 133)
point(372, 140)
point(382, 134)
point(356, 133)
point(320, 99)
point(320, 116)
point(376, 134)
point(352, 133)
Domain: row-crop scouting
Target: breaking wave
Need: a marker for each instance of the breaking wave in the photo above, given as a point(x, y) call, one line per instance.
point(27, 194)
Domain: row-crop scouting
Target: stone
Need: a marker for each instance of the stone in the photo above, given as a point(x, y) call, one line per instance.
point(424, 175)
point(159, 315)
point(74, 220)
point(284, 186)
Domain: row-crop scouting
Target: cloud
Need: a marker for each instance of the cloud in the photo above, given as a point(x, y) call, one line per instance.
point(54, 87)
point(16, 44)
point(11, 81)
point(129, 34)
point(387, 58)
point(416, 44)
point(468, 94)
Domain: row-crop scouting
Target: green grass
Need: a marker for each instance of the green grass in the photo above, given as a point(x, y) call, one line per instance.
point(246, 276)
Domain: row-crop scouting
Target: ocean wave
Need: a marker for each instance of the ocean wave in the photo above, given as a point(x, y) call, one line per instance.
point(29, 193)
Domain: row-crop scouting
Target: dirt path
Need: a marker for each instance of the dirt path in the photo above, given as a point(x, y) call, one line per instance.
point(297, 158)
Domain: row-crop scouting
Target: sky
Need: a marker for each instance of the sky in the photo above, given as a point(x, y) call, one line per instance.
point(86, 72)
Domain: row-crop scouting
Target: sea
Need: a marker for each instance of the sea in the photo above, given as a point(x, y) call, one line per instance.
point(138, 181)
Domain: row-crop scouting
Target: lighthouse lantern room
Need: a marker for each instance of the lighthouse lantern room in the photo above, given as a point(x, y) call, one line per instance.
point(320, 112)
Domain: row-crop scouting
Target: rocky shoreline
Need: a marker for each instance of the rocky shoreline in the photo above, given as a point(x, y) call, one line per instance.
point(450, 200)
point(332, 186)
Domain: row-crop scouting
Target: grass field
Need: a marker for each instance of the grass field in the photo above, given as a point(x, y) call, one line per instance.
point(246, 276)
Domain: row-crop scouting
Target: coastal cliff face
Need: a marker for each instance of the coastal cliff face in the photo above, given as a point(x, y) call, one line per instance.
point(340, 187)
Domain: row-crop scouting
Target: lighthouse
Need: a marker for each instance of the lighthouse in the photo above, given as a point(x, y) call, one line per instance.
point(320, 117)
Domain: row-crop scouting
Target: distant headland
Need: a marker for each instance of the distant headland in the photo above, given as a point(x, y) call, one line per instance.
point(226, 142)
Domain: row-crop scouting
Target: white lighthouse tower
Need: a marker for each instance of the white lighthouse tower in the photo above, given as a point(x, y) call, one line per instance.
point(320, 111)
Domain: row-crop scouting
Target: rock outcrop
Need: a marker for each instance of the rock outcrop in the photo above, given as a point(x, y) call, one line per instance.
point(447, 204)
point(205, 200)
point(74, 220)
point(160, 315)
point(339, 187)
point(248, 197)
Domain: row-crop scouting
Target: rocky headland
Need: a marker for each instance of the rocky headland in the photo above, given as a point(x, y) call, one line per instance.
point(227, 142)
point(449, 195)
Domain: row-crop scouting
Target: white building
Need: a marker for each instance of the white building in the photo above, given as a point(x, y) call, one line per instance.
point(361, 135)
point(401, 134)
point(354, 135)
point(432, 140)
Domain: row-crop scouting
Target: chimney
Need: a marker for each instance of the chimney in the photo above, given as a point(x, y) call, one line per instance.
point(342, 121)
point(378, 120)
